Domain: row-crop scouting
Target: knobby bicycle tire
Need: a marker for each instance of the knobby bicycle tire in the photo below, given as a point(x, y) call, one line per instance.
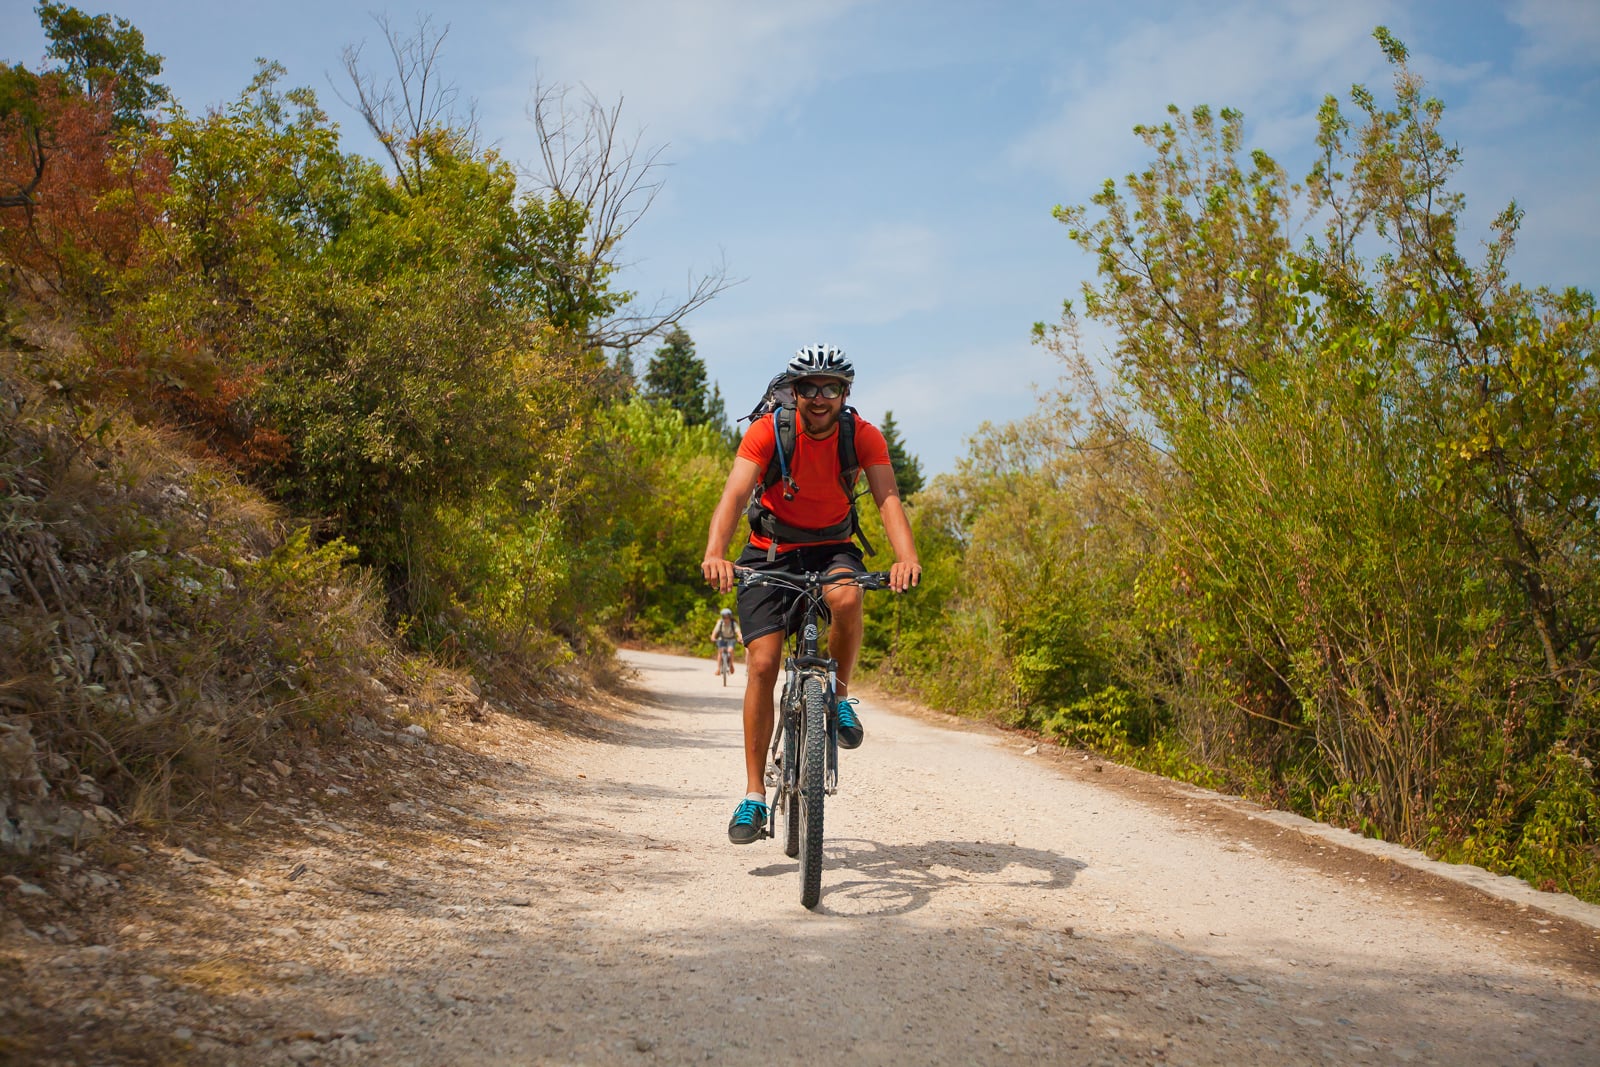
point(814, 741)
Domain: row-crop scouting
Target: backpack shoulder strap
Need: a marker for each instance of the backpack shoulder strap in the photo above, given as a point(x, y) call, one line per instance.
point(850, 474)
point(782, 461)
point(849, 465)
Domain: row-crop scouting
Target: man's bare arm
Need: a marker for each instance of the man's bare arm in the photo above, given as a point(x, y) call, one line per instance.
point(905, 572)
point(741, 480)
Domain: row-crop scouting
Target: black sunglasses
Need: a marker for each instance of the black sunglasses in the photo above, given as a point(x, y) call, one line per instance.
point(827, 390)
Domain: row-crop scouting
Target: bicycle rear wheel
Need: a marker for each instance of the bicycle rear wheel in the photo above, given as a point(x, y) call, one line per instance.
point(783, 769)
point(813, 746)
point(791, 782)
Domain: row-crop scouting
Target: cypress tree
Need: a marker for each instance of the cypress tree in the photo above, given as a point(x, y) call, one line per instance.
point(907, 468)
point(677, 377)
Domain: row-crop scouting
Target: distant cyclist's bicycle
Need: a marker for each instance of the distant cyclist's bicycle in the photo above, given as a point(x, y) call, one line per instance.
point(804, 762)
point(724, 660)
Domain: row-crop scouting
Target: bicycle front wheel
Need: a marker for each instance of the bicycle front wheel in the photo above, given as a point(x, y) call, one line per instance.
point(813, 759)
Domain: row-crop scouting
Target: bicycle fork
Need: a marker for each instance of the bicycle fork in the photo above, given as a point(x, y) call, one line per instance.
point(828, 671)
point(830, 702)
point(784, 780)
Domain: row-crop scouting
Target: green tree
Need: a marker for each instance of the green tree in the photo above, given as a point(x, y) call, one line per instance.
point(669, 475)
point(105, 53)
point(676, 377)
point(907, 467)
point(717, 411)
point(28, 135)
point(254, 190)
point(622, 366)
point(397, 377)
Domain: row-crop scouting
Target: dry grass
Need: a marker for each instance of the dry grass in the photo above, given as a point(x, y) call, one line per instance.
point(164, 629)
point(229, 974)
point(166, 632)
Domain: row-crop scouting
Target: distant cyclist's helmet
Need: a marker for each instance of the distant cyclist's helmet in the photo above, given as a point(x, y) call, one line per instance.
point(822, 361)
point(727, 611)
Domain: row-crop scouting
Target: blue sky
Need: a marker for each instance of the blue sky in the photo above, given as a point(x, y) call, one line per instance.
point(880, 173)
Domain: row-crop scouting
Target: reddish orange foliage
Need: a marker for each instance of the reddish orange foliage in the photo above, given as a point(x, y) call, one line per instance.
point(99, 194)
point(84, 248)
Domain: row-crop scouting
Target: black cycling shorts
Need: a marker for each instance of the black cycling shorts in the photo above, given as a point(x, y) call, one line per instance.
point(763, 609)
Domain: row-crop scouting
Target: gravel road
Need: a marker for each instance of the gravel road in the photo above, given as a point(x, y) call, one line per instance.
point(980, 905)
point(569, 896)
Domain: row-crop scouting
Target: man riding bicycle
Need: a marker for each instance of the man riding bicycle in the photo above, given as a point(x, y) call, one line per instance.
point(808, 509)
point(725, 634)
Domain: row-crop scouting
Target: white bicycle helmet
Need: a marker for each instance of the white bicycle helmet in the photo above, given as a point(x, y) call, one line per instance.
point(822, 361)
point(727, 611)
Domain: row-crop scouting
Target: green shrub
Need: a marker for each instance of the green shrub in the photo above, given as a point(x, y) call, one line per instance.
point(1559, 846)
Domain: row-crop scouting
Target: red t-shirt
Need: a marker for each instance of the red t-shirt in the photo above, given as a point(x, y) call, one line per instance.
point(819, 500)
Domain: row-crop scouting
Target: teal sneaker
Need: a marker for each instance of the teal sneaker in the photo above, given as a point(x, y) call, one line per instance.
point(749, 820)
point(850, 732)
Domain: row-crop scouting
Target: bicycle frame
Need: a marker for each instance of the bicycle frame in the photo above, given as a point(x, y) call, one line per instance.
point(804, 658)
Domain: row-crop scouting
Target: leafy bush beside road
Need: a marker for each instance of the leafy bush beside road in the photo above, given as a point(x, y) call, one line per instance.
point(1329, 533)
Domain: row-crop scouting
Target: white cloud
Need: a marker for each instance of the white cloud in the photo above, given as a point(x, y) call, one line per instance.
point(1559, 32)
point(940, 402)
point(693, 69)
point(1259, 58)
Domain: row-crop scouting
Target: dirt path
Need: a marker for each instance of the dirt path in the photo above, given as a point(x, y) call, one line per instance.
point(979, 907)
point(980, 904)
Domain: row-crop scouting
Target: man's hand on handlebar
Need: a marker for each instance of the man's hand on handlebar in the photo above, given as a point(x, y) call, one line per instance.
point(903, 576)
point(719, 572)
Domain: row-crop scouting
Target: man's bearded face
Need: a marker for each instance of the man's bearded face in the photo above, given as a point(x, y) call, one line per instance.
point(818, 413)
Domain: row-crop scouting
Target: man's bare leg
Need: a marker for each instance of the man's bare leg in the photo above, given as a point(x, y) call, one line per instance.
point(762, 659)
point(844, 634)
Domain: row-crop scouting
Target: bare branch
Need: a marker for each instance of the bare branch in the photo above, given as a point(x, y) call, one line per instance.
point(634, 323)
point(23, 197)
point(411, 109)
point(583, 159)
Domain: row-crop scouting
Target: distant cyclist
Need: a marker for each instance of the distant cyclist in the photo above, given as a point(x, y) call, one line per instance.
point(725, 634)
point(811, 518)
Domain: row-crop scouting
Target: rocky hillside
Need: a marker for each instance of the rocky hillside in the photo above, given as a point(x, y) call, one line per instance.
point(184, 674)
point(169, 641)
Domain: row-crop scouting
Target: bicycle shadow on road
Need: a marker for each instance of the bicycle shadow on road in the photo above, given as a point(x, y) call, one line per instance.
point(868, 878)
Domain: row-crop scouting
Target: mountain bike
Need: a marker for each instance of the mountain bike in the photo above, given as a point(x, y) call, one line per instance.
point(724, 660)
point(803, 767)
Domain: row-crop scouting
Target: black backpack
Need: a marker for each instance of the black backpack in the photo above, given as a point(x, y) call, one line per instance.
point(778, 405)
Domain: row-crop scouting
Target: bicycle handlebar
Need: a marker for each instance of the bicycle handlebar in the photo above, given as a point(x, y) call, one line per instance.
point(803, 581)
